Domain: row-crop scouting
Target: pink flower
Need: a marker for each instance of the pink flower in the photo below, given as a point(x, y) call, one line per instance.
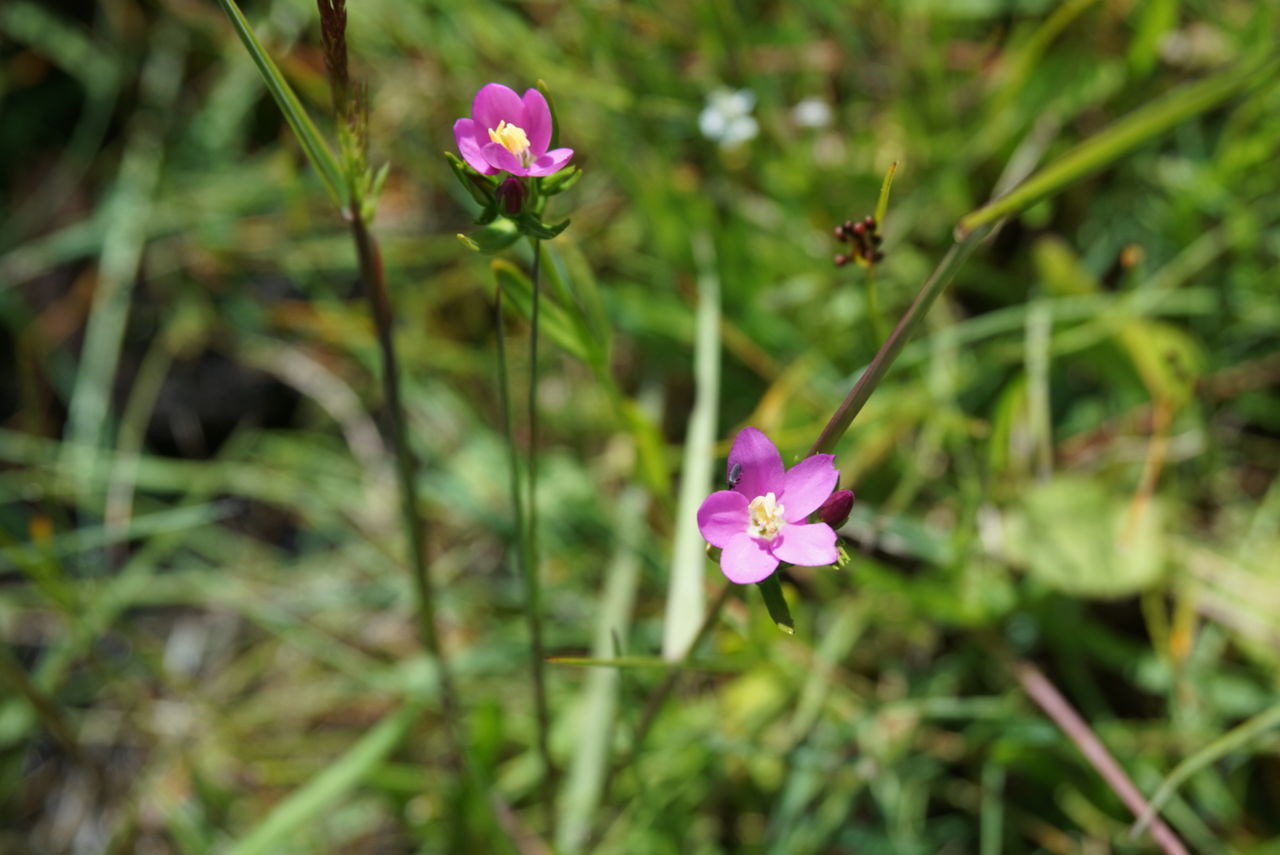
point(507, 133)
point(761, 521)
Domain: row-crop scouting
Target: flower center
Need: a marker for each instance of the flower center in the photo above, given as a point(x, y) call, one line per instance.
point(766, 517)
point(513, 139)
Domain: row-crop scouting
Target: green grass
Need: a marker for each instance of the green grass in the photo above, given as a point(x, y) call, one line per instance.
point(207, 619)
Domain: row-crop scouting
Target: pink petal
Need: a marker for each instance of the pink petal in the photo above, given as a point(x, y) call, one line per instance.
point(552, 161)
point(536, 123)
point(464, 135)
point(806, 545)
point(761, 464)
point(723, 514)
point(495, 103)
point(500, 158)
point(746, 560)
point(808, 484)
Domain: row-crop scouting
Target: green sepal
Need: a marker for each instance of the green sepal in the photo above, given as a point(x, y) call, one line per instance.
point(374, 182)
point(776, 603)
point(489, 214)
point(492, 239)
point(561, 181)
point(534, 227)
point(481, 187)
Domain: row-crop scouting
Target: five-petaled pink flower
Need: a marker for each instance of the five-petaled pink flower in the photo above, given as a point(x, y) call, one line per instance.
point(507, 133)
point(762, 520)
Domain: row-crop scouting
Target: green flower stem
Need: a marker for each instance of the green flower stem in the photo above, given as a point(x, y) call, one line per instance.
point(371, 273)
point(873, 306)
point(533, 587)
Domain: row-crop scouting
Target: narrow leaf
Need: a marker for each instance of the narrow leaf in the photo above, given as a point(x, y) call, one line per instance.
point(882, 204)
point(776, 603)
point(686, 599)
point(552, 318)
point(314, 145)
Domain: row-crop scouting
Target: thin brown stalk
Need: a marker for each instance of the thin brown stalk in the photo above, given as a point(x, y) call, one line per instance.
point(1058, 708)
point(371, 273)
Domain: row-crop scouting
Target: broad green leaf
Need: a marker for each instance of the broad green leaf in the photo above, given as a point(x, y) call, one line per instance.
point(1168, 360)
point(1075, 535)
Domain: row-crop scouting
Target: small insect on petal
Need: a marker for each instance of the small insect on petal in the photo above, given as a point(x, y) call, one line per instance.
point(735, 474)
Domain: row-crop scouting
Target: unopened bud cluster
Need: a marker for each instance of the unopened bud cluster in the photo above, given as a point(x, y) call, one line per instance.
point(863, 238)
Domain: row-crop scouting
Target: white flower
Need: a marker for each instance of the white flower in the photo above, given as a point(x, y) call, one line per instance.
point(727, 117)
point(811, 113)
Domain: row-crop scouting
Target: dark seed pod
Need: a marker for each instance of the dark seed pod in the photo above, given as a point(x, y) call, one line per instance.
point(859, 229)
point(848, 225)
point(840, 233)
point(870, 222)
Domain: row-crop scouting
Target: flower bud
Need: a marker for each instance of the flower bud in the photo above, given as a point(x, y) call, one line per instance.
point(511, 195)
point(841, 259)
point(835, 510)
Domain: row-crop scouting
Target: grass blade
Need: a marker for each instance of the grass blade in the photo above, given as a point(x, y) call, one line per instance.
point(1119, 139)
point(584, 783)
point(686, 600)
point(279, 828)
point(882, 204)
point(1225, 744)
point(314, 145)
point(122, 246)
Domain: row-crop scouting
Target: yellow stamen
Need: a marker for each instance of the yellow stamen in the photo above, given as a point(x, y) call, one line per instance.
point(766, 516)
point(511, 137)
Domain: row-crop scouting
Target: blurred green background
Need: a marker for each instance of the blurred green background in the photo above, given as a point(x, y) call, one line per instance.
point(207, 640)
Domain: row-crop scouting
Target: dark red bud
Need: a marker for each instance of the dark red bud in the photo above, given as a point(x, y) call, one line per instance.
point(835, 510)
point(870, 222)
point(841, 260)
point(511, 194)
point(848, 225)
point(859, 229)
point(840, 233)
